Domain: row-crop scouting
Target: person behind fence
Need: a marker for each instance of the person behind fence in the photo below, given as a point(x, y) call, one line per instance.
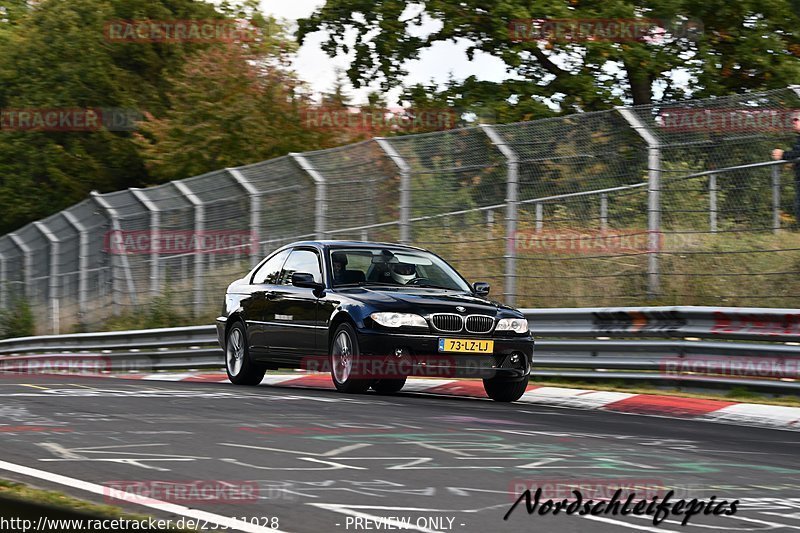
point(794, 153)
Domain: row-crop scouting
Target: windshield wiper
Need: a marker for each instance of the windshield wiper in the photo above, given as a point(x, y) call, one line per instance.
point(430, 286)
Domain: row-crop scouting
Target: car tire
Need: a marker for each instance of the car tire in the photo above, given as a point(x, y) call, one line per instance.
point(343, 358)
point(240, 368)
point(388, 386)
point(503, 390)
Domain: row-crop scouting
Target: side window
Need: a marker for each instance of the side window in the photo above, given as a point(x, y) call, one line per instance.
point(270, 272)
point(301, 261)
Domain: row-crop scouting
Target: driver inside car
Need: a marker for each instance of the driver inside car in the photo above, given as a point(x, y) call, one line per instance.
point(402, 273)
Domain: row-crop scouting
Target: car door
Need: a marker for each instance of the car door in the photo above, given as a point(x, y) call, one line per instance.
point(292, 330)
point(258, 307)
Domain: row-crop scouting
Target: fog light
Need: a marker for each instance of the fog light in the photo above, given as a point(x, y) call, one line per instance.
point(514, 358)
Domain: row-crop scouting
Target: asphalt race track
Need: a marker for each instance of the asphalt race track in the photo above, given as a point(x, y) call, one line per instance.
point(321, 461)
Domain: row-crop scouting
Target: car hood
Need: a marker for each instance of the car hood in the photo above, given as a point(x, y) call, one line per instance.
point(425, 301)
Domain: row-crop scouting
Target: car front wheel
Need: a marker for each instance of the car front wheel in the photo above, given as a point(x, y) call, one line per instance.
point(503, 390)
point(241, 370)
point(344, 361)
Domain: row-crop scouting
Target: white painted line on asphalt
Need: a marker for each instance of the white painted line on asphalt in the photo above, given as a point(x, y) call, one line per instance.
point(626, 524)
point(738, 527)
point(422, 385)
point(275, 380)
point(167, 376)
point(221, 521)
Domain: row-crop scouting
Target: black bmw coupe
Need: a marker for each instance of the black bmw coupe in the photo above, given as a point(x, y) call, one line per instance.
point(371, 314)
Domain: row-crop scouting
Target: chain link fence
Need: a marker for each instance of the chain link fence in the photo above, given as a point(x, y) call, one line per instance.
point(664, 204)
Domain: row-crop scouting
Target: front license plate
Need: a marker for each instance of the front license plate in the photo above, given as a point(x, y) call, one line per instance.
point(466, 345)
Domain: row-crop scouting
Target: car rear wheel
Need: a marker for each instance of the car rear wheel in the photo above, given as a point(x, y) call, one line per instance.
point(388, 386)
point(240, 369)
point(503, 390)
point(344, 361)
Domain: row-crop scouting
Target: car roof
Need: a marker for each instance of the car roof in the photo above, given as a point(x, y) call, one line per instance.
point(332, 244)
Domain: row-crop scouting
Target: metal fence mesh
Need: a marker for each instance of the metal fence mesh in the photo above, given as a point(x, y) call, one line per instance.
point(675, 203)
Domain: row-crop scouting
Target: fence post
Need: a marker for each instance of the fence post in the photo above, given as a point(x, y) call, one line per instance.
point(83, 263)
point(512, 163)
point(321, 196)
point(603, 212)
point(653, 198)
point(27, 263)
point(3, 281)
point(712, 202)
point(255, 214)
point(53, 281)
point(405, 188)
point(539, 217)
point(199, 228)
point(121, 257)
point(155, 241)
point(776, 198)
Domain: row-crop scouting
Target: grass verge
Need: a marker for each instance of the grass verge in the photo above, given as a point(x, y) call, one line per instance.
point(60, 505)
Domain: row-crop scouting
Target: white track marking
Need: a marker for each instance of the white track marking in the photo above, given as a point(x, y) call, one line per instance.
point(222, 521)
point(625, 524)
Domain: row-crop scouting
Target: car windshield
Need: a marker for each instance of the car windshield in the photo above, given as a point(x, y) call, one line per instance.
point(392, 267)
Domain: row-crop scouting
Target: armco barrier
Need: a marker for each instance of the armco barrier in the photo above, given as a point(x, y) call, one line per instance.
point(686, 344)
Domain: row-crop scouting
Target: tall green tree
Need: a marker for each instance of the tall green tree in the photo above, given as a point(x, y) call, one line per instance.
point(56, 55)
point(228, 107)
point(736, 46)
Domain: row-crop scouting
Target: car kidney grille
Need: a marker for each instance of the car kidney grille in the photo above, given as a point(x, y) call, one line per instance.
point(479, 323)
point(447, 322)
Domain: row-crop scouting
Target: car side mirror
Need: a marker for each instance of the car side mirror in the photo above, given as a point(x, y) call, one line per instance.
point(306, 281)
point(481, 288)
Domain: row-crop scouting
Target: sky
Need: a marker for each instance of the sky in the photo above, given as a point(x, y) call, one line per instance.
point(319, 71)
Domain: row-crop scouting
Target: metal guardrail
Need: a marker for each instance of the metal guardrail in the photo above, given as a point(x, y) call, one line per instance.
point(676, 344)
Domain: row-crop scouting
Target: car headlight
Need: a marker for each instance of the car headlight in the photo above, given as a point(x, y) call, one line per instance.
point(396, 320)
point(517, 325)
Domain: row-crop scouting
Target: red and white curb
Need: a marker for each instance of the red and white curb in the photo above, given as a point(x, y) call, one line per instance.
point(745, 414)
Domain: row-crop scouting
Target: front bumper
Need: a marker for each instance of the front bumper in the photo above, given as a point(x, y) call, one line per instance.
point(421, 355)
point(221, 323)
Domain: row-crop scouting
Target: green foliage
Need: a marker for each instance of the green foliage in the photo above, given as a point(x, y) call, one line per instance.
point(55, 56)
point(226, 110)
point(160, 312)
point(17, 321)
point(742, 45)
point(209, 105)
